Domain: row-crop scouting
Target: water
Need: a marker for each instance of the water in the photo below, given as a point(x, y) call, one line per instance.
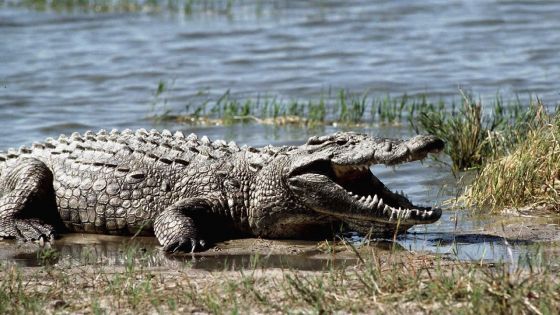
point(76, 70)
point(80, 70)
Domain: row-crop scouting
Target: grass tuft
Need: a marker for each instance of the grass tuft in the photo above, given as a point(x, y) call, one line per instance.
point(472, 136)
point(527, 177)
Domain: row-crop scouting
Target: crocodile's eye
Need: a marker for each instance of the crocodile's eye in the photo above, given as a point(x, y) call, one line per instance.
point(314, 140)
point(341, 141)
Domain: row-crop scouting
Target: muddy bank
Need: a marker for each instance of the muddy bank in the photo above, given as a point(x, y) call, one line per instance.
point(82, 273)
point(379, 282)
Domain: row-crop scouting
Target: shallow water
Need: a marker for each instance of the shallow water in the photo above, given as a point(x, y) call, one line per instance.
point(75, 70)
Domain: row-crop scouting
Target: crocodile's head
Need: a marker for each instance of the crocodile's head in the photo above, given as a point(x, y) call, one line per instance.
point(330, 178)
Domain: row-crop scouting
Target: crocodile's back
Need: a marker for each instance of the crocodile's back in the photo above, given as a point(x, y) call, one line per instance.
point(118, 182)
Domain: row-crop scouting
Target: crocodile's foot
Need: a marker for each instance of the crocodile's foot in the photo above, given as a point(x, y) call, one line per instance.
point(182, 243)
point(27, 230)
point(176, 231)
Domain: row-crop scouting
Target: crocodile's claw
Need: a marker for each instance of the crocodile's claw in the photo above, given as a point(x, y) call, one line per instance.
point(183, 243)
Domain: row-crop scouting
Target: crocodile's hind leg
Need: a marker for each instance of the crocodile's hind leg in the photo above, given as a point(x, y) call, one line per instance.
point(26, 187)
point(178, 226)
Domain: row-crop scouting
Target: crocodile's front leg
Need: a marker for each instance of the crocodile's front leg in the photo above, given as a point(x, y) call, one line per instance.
point(25, 187)
point(177, 226)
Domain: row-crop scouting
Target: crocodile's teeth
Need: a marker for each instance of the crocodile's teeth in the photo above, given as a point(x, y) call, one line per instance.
point(380, 204)
point(407, 213)
point(427, 213)
point(205, 140)
point(362, 199)
point(399, 213)
point(386, 209)
point(375, 200)
point(368, 199)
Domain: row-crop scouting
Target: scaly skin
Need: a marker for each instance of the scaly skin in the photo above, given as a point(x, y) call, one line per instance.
point(188, 191)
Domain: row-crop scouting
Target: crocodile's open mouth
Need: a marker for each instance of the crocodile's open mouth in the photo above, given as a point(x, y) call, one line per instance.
point(354, 194)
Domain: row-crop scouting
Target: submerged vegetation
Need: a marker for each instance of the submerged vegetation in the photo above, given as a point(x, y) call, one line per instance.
point(382, 282)
point(339, 108)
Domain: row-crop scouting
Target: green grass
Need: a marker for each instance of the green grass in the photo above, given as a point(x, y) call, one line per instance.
point(474, 132)
point(340, 108)
point(381, 283)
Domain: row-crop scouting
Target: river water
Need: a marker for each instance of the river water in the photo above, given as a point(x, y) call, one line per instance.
point(73, 69)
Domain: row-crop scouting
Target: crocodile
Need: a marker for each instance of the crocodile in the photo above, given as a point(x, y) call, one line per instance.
point(190, 191)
